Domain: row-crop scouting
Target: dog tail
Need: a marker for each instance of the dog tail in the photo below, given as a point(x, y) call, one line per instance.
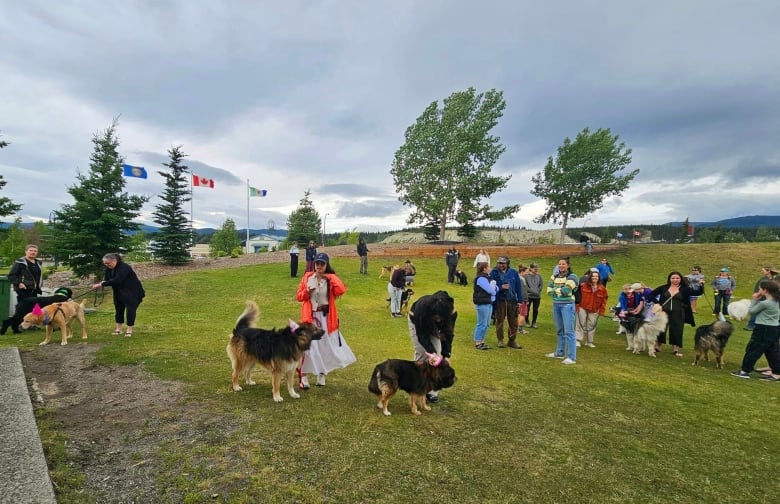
point(248, 317)
point(373, 385)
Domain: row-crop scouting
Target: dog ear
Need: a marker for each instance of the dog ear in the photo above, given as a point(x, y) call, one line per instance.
point(433, 359)
point(37, 310)
point(292, 325)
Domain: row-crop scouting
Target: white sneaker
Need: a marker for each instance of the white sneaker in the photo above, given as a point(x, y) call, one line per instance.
point(304, 383)
point(554, 356)
point(579, 344)
point(320, 380)
point(568, 361)
point(590, 345)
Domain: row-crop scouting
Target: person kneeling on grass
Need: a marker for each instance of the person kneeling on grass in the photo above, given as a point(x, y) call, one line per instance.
point(766, 333)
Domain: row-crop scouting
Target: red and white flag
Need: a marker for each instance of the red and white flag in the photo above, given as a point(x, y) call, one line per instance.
point(637, 233)
point(202, 182)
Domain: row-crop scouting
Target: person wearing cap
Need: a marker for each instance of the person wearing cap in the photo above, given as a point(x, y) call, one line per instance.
point(451, 259)
point(767, 273)
point(560, 288)
point(605, 271)
point(508, 299)
point(534, 282)
point(723, 286)
point(317, 292)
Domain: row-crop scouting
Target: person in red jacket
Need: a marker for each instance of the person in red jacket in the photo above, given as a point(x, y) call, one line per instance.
point(317, 292)
point(593, 304)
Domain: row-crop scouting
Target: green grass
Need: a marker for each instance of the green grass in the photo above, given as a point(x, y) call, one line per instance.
point(516, 427)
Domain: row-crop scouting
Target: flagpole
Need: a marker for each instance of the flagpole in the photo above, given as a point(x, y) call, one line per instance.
point(192, 223)
point(247, 216)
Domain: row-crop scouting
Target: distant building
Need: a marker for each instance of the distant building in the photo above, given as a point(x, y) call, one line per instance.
point(262, 242)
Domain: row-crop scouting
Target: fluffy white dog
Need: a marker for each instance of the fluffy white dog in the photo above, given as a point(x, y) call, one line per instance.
point(738, 310)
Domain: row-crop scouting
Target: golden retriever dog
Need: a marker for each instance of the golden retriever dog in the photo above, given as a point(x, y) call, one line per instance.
point(647, 331)
point(277, 350)
point(57, 314)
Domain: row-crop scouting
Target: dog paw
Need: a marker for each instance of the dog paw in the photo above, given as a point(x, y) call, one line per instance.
point(64, 343)
point(251, 382)
point(237, 388)
point(386, 413)
point(294, 394)
point(426, 408)
point(278, 399)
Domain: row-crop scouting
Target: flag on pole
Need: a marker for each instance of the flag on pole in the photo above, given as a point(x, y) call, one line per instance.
point(253, 191)
point(202, 181)
point(133, 171)
point(637, 233)
point(620, 235)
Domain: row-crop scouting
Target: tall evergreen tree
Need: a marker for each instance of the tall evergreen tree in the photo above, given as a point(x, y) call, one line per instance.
point(7, 207)
point(304, 222)
point(171, 244)
point(100, 219)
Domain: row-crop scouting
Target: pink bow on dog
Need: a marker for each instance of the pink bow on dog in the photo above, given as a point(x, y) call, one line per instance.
point(37, 310)
point(433, 359)
point(292, 325)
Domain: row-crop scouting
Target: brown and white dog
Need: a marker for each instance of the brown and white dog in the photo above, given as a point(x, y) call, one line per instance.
point(647, 331)
point(712, 337)
point(277, 350)
point(57, 314)
point(415, 378)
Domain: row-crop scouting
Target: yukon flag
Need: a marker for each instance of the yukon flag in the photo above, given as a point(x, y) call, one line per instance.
point(253, 191)
point(202, 182)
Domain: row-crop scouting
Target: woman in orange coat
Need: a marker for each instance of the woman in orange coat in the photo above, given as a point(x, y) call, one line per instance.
point(593, 304)
point(317, 292)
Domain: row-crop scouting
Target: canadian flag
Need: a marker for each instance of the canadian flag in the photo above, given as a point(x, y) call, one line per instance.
point(202, 181)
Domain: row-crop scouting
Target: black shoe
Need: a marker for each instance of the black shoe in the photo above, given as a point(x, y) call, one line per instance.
point(6, 325)
point(431, 398)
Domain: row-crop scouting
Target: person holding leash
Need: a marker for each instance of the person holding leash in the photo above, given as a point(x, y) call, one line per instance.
point(26, 277)
point(128, 291)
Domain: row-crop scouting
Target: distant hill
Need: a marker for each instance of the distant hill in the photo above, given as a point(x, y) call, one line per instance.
point(752, 221)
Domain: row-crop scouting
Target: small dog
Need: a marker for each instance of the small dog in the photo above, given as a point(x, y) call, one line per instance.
point(647, 331)
point(405, 297)
point(461, 277)
point(712, 337)
point(415, 378)
point(57, 314)
point(621, 328)
point(386, 270)
point(277, 350)
point(738, 310)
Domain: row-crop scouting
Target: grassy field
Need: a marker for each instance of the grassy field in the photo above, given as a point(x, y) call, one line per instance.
point(516, 427)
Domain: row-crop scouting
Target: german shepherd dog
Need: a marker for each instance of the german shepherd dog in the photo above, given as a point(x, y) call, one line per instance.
point(406, 295)
point(277, 350)
point(57, 314)
point(712, 337)
point(647, 331)
point(415, 378)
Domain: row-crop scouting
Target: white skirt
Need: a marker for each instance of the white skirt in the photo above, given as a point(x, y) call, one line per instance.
point(329, 353)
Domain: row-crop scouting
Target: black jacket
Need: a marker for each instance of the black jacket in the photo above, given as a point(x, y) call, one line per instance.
point(30, 274)
point(434, 316)
point(125, 283)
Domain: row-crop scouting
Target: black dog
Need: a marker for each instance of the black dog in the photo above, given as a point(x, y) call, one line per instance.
point(415, 378)
point(26, 305)
point(461, 277)
point(712, 337)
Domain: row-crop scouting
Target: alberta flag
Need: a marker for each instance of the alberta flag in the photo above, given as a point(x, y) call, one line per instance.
point(253, 191)
point(133, 171)
point(202, 182)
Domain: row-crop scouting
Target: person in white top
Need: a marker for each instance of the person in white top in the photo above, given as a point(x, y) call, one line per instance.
point(482, 257)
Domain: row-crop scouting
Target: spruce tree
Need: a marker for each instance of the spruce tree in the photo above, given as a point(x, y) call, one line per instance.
point(304, 222)
point(171, 244)
point(101, 218)
point(7, 207)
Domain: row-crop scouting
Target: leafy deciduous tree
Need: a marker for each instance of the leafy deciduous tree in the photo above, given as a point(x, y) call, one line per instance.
point(582, 175)
point(171, 244)
point(443, 169)
point(304, 222)
point(224, 240)
point(99, 220)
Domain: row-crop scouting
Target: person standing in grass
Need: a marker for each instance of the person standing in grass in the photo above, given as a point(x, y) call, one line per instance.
point(695, 281)
point(534, 281)
point(311, 253)
point(605, 271)
point(767, 273)
point(674, 298)
point(294, 251)
point(560, 288)
point(128, 291)
point(723, 285)
point(362, 252)
point(484, 295)
point(765, 339)
point(395, 289)
point(593, 304)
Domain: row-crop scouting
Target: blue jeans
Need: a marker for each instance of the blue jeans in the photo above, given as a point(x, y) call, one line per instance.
point(563, 316)
point(484, 312)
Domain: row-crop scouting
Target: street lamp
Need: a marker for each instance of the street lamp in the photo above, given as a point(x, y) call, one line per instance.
point(52, 221)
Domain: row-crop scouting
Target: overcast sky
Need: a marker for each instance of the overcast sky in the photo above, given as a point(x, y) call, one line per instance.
point(299, 95)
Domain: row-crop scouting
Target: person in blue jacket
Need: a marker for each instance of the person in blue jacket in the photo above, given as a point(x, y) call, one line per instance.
point(508, 299)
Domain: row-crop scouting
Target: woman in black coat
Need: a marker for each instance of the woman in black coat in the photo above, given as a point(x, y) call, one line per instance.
point(675, 299)
point(128, 291)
